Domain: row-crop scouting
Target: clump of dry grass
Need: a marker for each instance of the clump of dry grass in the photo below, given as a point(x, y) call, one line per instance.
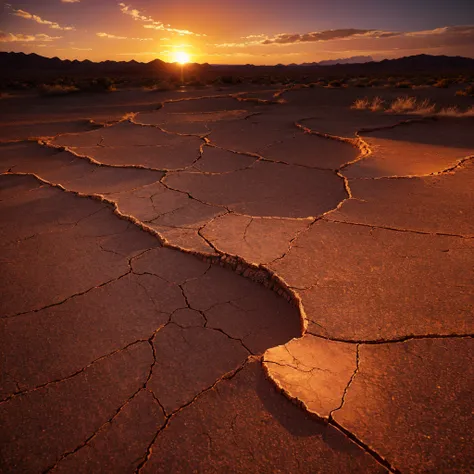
point(401, 105)
point(410, 105)
point(424, 108)
point(361, 104)
point(376, 105)
point(455, 112)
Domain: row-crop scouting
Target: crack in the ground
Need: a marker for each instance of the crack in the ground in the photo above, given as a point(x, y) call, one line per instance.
point(75, 295)
point(118, 411)
point(227, 376)
point(397, 229)
point(347, 387)
point(365, 447)
point(224, 258)
point(70, 376)
point(395, 340)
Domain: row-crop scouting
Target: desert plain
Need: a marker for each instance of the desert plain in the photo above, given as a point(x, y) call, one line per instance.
point(241, 279)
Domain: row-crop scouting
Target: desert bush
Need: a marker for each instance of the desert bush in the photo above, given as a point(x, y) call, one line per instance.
point(335, 84)
point(374, 83)
point(361, 104)
point(409, 105)
point(402, 105)
point(376, 105)
point(455, 112)
point(51, 90)
point(161, 86)
point(424, 108)
point(404, 85)
point(468, 91)
point(442, 83)
point(101, 84)
point(195, 83)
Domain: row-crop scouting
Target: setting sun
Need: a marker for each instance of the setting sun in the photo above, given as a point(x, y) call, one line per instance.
point(181, 57)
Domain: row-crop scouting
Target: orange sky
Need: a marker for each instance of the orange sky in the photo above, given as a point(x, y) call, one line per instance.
point(264, 32)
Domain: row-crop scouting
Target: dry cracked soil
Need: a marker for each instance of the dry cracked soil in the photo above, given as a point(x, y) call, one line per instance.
point(234, 281)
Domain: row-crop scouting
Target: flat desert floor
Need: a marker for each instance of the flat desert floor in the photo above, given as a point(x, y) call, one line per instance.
point(248, 281)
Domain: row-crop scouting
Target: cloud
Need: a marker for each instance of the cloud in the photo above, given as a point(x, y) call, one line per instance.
point(151, 23)
point(327, 35)
point(289, 39)
point(13, 38)
point(142, 53)
point(80, 49)
point(29, 16)
point(70, 1)
point(466, 31)
point(238, 45)
point(428, 39)
point(254, 36)
point(108, 36)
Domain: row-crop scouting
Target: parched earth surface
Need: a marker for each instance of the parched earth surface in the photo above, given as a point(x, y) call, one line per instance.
point(234, 281)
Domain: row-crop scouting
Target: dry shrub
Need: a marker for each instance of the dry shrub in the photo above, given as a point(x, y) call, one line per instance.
point(424, 108)
point(404, 85)
point(335, 84)
point(377, 104)
point(162, 86)
point(56, 90)
point(442, 83)
point(361, 104)
point(402, 105)
point(455, 112)
point(409, 105)
point(468, 91)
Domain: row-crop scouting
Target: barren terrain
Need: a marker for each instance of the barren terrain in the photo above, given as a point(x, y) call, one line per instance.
point(238, 280)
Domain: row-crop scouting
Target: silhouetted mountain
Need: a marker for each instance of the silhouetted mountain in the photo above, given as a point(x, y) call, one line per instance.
point(24, 66)
point(20, 66)
point(332, 62)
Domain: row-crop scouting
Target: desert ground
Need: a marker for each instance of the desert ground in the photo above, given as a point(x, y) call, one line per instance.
point(244, 279)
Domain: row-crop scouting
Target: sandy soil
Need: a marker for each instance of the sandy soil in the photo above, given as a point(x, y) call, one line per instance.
point(196, 282)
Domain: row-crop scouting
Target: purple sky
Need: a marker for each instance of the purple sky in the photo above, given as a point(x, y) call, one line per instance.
point(247, 31)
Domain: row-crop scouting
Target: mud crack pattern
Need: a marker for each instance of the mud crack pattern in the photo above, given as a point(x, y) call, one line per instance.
point(236, 283)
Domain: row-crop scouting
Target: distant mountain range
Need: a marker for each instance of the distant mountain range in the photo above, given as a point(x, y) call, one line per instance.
point(20, 66)
point(351, 60)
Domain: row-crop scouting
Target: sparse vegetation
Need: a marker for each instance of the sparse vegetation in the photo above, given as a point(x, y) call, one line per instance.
point(374, 105)
point(335, 84)
point(402, 105)
point(361, 104)
point(161, 86)
point(51, 90)
point(455, 112)
point(377, 104)
point(404, 85)
point(442, 83)
point(410, 106)
point(102, 84)
point(468, 91)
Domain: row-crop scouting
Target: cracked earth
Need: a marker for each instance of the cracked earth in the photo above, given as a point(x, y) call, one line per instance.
point(252, 281)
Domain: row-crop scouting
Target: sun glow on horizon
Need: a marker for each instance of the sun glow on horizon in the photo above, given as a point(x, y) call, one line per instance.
point(181, 57)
